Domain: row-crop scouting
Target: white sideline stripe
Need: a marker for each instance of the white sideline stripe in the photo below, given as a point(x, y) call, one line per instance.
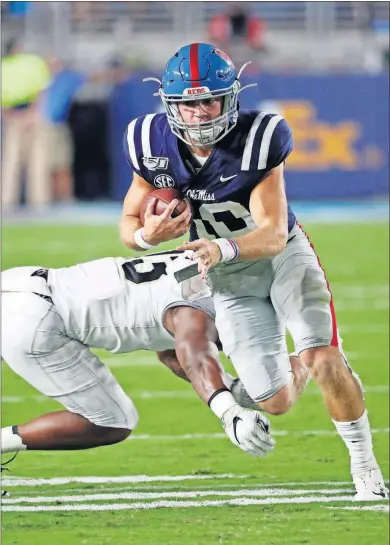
point(384, 508)
point(267, 492)
point(176, 504)
point(17, 481)
point(179, 394)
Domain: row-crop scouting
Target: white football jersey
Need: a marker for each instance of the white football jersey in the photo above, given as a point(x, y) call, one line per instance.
point(118, 304)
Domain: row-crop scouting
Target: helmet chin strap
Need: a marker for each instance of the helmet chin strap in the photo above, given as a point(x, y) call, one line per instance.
point(204, 136)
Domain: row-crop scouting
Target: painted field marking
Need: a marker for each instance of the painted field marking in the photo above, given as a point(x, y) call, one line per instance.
point(182, 394)
point(213, 436)
point(264, 492)
point(17, 481)
point(176, 504)
point(365, 328)
point(134, 479)
point(214, 486)
point(383, 508)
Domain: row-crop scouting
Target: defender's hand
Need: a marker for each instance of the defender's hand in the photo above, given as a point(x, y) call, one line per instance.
point(248, 430)
point(207, 252)
point(161, 228)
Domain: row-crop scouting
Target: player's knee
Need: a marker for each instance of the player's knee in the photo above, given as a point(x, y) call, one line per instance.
point(323, 361)
point(280, 403)
point(116, 435)
point(116, 424)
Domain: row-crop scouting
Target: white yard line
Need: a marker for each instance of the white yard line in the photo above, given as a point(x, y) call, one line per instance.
point(348, 290)
point(17, 481)
point(180, 394)
point(134, 479)
point(132, 361)
point(382, 508)
point(264, 492)
point(365, 328)
point(176, 504)
point(348, 486)
point(356, 304)
point(214, 436)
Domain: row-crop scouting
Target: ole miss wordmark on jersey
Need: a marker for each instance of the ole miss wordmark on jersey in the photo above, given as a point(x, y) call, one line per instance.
point(219, 190)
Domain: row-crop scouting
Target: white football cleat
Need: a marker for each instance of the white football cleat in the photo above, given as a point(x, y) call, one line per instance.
point(370, 486)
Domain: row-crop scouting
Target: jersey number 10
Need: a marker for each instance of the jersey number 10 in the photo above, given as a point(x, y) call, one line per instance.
point(223, 219)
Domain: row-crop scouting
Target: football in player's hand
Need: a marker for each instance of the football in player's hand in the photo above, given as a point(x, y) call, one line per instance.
point(162, 198)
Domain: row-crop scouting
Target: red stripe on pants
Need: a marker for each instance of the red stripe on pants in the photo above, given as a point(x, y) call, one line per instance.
point(335, 339)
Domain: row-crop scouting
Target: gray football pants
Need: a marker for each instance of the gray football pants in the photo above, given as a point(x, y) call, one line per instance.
point(256, 301)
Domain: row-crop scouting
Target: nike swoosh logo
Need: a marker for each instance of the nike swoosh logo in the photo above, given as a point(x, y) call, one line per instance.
point(228, 178)
point(381, 494)
point(236, 419)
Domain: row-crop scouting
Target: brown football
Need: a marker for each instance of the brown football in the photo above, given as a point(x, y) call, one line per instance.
point(163, 198)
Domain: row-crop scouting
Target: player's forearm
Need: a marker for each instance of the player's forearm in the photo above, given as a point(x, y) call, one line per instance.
point(266, 241)
point(202, 367)
point(127, 227)
point(169, 359)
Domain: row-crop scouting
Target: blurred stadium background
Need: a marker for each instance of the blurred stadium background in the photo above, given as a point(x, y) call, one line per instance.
point(323, 65)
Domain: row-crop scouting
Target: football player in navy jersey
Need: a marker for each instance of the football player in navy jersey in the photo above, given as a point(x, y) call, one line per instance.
point(264, 273)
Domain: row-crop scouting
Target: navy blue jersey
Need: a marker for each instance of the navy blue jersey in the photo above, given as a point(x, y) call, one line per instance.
point(219, 190)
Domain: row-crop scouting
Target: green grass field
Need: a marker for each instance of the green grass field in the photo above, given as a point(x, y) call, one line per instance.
point(178, 480)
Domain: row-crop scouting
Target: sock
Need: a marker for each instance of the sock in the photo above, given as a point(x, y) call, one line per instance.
point(357, 437)
point(10, 440)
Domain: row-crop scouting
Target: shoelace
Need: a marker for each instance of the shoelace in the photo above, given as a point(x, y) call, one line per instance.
point(3, 468)
point(8, 462)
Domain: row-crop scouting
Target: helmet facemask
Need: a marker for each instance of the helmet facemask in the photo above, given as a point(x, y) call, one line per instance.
point(204, 133)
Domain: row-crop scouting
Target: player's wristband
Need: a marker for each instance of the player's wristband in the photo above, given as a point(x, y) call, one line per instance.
point(140, 241)
point(221, 401)
point(229, 249)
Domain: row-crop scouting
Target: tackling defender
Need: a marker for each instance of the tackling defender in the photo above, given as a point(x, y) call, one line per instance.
point(263, 271)
point(51, 318)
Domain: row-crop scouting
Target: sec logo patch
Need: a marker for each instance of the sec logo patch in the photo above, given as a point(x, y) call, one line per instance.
point(164, 180)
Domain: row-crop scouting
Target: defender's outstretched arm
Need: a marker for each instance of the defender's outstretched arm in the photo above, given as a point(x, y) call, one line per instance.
point(197, 353)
